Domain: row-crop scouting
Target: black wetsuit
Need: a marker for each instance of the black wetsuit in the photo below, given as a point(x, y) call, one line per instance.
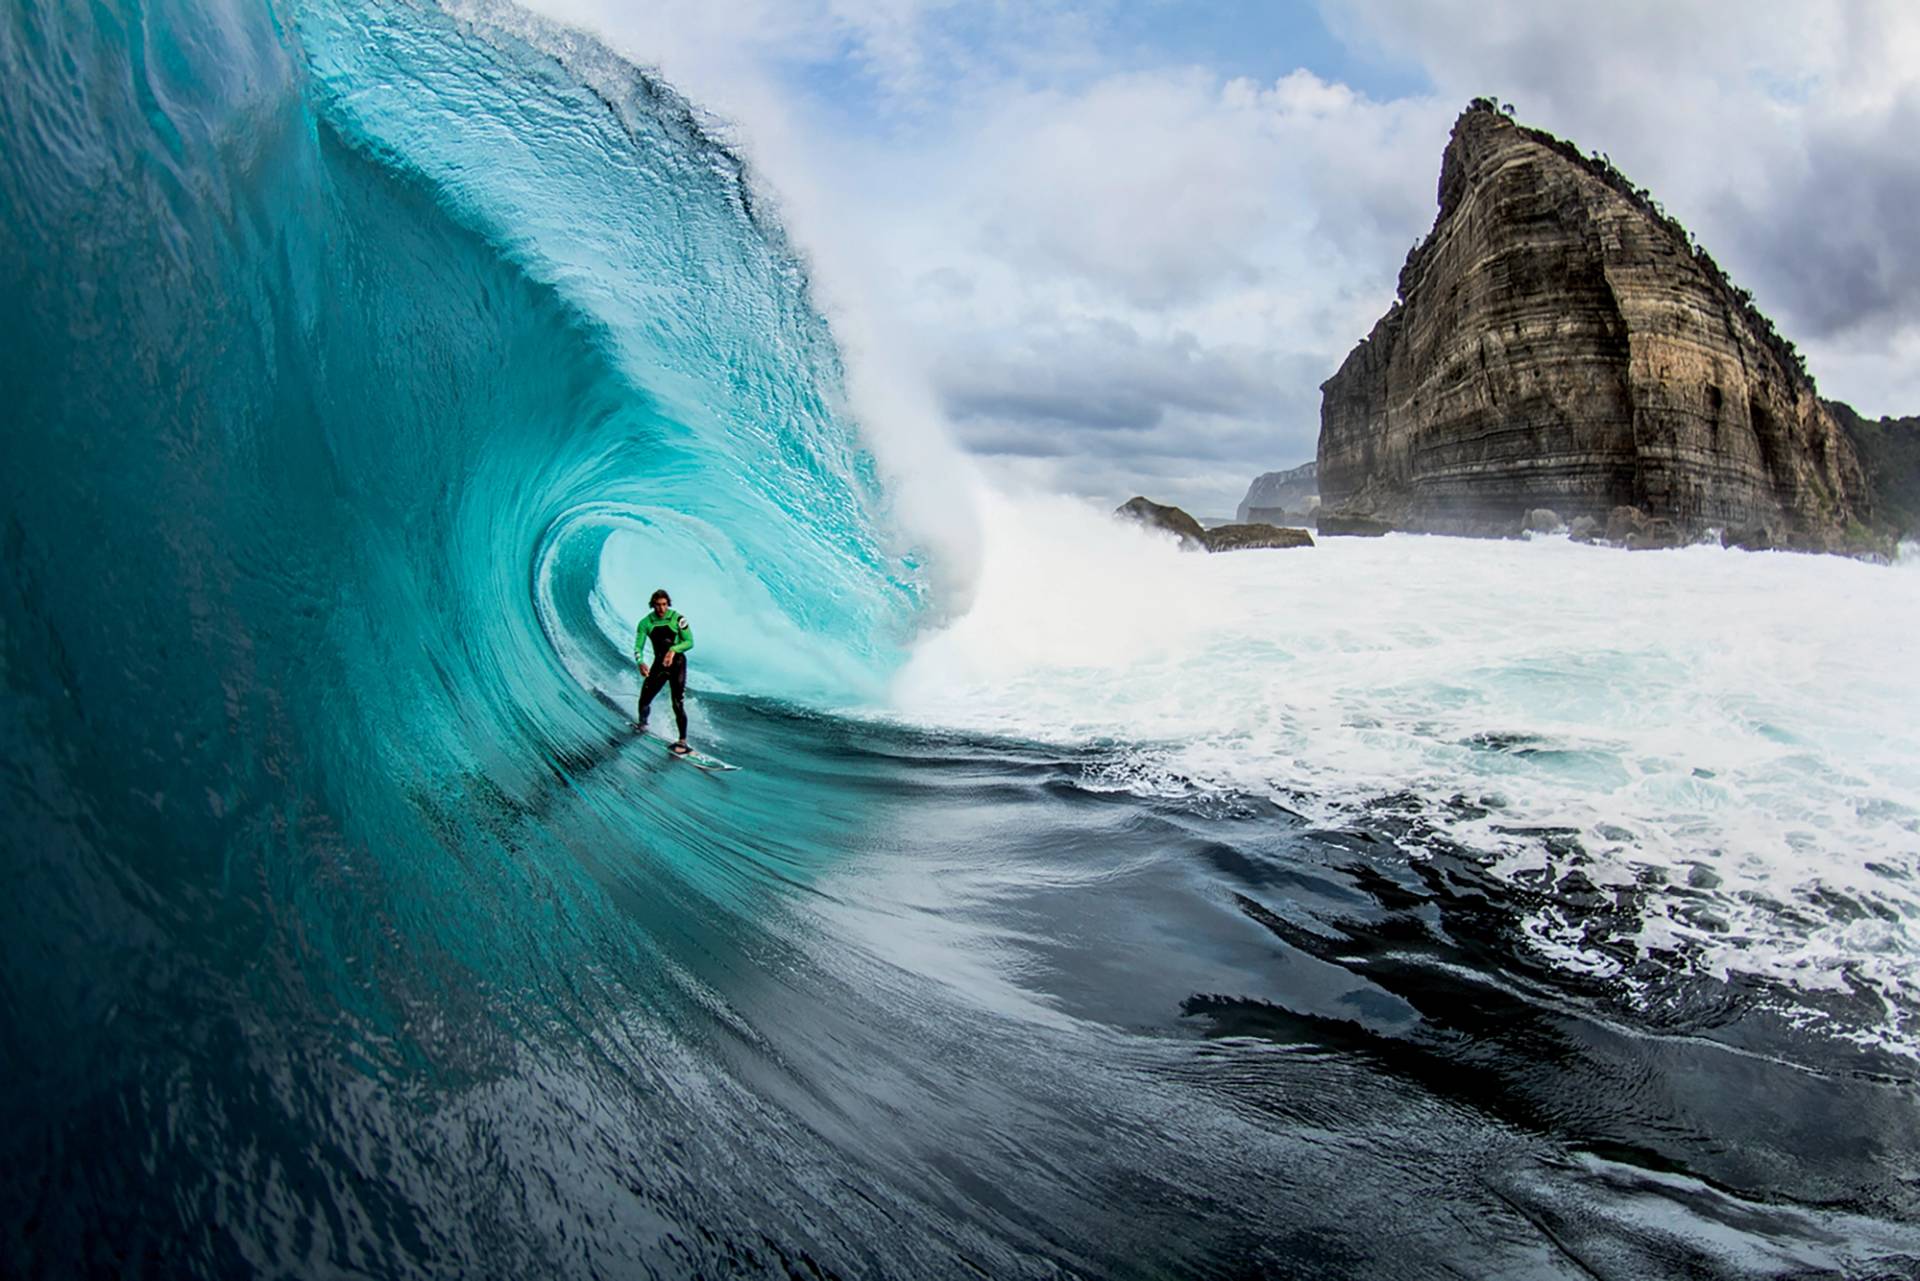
point(669, 633)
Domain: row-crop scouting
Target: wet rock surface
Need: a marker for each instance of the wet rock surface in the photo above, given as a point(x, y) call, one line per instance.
point(1161, 516)
point(1223, 538)
point(1248, 537)
point(1352, 524)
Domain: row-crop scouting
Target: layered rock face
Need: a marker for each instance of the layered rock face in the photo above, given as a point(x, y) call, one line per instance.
point(1558, 343)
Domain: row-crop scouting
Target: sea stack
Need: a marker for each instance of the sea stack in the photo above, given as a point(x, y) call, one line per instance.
point(1558, 342)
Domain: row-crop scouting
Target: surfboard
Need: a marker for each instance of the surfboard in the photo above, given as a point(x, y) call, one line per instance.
point(701, 760)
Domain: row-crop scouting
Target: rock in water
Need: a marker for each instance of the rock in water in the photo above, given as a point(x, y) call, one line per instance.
point(1352, 524)
point(1159, 516)
point(1558, 342)
point(1226, 538)
point(1237, 538)
point(1756, 539)
point(1624, 522)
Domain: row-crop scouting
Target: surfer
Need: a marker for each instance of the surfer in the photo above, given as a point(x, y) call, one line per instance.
point(671, 637)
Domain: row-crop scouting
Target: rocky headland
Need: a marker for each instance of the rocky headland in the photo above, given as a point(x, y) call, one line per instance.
point(1281, 495)
point(1559, 343)
point(1221, 538)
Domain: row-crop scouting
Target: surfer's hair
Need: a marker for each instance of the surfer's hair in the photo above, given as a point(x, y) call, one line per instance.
point(659, 594)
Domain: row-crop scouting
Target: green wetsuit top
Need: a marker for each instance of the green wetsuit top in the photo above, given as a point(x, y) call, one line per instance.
point(669, 633)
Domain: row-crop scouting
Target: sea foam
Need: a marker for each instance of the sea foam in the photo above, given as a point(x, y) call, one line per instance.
point(1725, 737)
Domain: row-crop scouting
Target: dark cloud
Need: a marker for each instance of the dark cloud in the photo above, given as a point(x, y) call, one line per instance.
point(1107, 376)
point(1120, 410)
point(1833, 250)
point(1019, 439)
point(1119, 413)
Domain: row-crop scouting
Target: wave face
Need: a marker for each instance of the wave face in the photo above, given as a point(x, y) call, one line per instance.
point(367, 364)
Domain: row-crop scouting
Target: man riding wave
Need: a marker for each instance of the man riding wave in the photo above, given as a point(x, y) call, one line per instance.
point(668, 632)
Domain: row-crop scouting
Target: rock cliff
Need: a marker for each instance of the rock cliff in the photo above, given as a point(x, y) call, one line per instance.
point(1290, 491)
point(1558, 342)
point(1890, 455)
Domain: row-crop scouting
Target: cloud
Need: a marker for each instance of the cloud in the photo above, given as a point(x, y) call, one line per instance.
point(1105, 373)
point(1155, 262)
point(1780, 133)
point(1165, 189)
point(1834, 242)
point(1111, 273)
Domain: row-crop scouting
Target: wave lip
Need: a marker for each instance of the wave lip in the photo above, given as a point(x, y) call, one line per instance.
point(723, 410)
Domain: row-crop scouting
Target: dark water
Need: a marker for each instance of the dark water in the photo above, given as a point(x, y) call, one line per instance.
point(349, 934)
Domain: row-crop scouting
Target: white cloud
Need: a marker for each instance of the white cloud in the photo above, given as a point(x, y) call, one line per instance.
point(1781, 133)
point(1168, 250)
point(1124, 279)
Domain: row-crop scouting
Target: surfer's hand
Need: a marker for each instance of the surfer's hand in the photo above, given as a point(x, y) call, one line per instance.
point(643, 671)
point(666, 659)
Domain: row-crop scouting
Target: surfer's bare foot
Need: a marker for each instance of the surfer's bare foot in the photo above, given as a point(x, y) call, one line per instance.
point(680, 748)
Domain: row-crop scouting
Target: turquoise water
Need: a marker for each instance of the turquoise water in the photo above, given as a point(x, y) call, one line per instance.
point(364, 365)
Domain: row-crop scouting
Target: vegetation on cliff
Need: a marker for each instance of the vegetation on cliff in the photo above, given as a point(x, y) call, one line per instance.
point(1601, 166)
point(1560, 341)
point(1890, 455)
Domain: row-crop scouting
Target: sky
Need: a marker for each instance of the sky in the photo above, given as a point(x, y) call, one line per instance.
point(1114, 248)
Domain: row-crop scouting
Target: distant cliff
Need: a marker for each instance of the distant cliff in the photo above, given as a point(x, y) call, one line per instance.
point(1890, 455)
point(1281, 491)
point(1558, 342)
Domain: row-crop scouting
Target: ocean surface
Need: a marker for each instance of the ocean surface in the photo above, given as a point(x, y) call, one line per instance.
point(1409, 907)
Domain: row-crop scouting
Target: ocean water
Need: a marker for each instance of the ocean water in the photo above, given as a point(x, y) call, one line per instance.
point(1412, 907)
point(1722, 740)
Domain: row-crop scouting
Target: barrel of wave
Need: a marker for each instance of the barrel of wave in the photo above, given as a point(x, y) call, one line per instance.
point(600, 562)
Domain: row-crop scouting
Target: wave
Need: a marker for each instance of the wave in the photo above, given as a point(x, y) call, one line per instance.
point(367, 364)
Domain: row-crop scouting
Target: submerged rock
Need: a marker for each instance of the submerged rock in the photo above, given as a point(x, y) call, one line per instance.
point(1625, 521)
point(1352, 524)
point(1235, 538)
point(1754, 538)
point(1632, 528)
point(1559, 342)
point(1658, 533)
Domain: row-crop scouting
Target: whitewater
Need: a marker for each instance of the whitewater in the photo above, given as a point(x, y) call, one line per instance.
point(1083, 907)
point(1725, 737)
